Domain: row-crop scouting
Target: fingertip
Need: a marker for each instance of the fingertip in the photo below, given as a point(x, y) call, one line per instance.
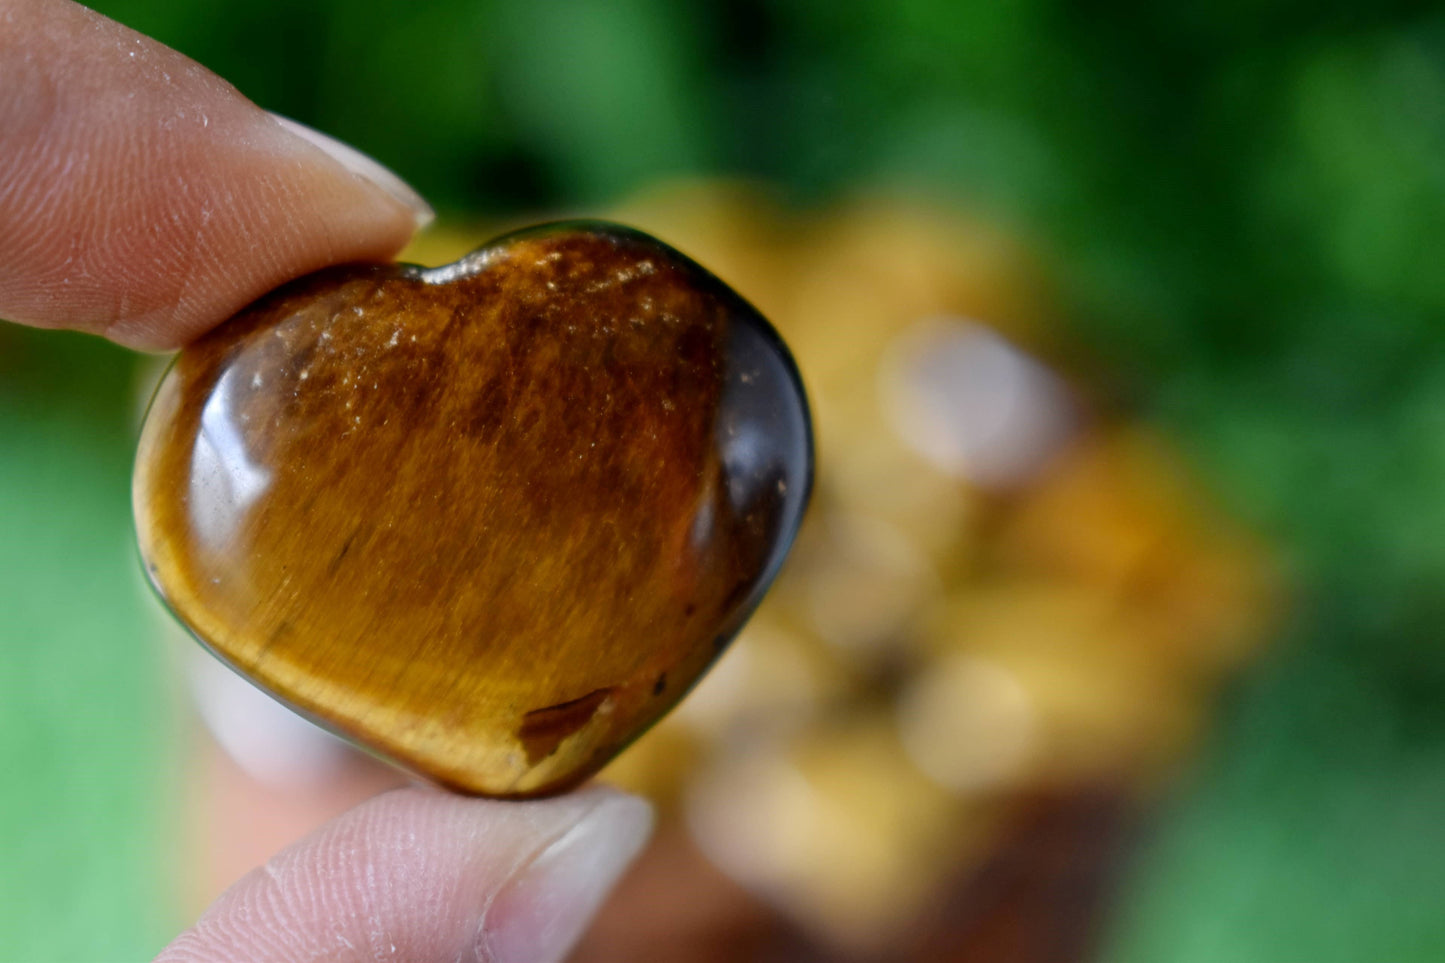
point(540, 914)
point(420, 874)
point(360, 165)
point(143, 198)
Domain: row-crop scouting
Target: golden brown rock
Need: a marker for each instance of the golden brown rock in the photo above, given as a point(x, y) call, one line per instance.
point(491, 520)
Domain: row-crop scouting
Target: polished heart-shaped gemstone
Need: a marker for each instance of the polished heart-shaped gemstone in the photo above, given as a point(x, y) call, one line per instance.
point(491, 520)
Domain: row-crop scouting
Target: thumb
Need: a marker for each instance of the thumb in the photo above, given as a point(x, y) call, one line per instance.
point(143, 198)
point(421, 875)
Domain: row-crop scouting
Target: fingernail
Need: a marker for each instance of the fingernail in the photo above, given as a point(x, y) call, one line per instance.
point(364, 167)
point(541, 912)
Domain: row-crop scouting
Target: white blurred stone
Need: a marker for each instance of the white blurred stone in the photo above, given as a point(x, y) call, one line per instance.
point(972, 403)
point(269, 741)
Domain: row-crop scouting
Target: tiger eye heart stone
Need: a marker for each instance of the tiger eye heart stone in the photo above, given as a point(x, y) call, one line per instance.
point(491, 520)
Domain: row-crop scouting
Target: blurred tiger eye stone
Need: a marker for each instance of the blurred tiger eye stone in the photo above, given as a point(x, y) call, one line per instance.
point(491, 520)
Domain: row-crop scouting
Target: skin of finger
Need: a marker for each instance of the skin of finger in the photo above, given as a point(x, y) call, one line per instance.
point(410, 875)
point(144, 198)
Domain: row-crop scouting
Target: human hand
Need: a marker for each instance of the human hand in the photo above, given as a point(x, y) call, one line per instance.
point(144, 199)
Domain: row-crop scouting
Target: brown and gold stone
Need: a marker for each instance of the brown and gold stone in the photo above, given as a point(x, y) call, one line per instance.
point(491, 520)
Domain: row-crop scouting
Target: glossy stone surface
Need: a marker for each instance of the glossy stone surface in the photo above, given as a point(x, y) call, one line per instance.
point(491, 520)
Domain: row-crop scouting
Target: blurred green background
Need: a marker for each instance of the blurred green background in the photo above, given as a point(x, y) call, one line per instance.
point(1241, 205)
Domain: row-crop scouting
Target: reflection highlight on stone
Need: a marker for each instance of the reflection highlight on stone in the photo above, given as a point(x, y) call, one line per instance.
point(224, 479)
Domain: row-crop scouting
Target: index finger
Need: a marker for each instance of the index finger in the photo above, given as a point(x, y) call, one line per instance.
point(145, 199)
